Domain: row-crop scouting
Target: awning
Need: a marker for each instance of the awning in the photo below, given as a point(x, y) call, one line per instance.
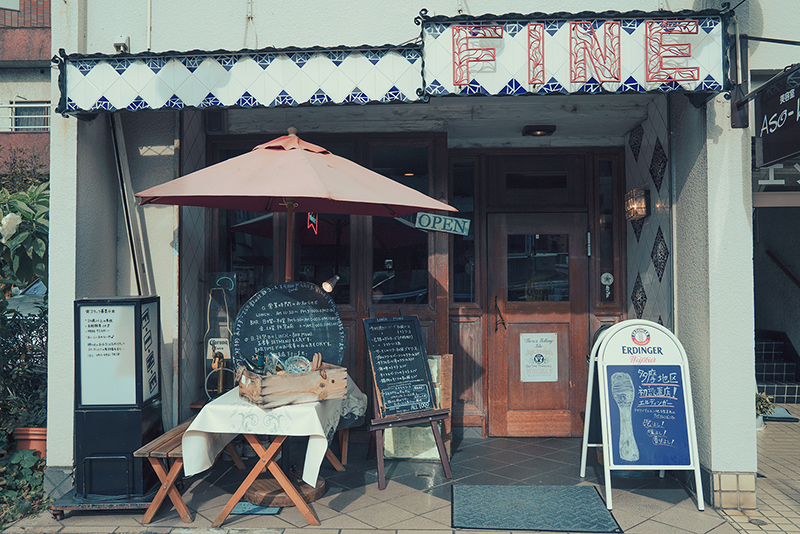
point(536, 54)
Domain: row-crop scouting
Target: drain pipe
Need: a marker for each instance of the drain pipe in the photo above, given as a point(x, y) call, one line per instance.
point(149, 24)
point(673, 218)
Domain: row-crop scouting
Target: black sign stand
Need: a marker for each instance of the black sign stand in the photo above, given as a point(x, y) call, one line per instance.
point(402, 392)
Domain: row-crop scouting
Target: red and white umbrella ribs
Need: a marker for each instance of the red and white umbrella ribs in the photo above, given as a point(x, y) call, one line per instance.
point(289, 171)
point(288, 175)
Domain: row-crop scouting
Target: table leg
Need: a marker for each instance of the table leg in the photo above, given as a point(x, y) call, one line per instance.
point(261, 464)
point(334, 460)
point(285, 483)
point(234, 456)
point(344, 443)
point(167, 488)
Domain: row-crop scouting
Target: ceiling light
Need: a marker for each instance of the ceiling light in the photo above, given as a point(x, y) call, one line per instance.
point(539, 130)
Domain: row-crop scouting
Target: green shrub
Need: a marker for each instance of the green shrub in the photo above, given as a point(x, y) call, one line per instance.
point(23, 372)
point(21, 492)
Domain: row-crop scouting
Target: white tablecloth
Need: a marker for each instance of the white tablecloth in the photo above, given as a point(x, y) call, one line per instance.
point(227, 416)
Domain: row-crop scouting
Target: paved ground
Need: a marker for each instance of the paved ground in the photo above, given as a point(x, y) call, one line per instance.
point(778, 480)
point(417, 497)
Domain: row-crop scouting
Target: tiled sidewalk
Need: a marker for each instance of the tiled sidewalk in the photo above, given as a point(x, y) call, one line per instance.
point(778, 481)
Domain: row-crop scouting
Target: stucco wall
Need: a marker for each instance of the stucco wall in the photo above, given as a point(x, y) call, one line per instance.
point(150, 142)
point(210, 25)
point(714, 296)
point(98, 203)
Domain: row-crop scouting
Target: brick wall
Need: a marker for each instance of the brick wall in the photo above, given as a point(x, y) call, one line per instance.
point(31, 14)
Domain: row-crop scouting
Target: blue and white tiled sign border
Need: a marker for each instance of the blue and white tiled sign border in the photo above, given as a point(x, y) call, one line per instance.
point(491, 57)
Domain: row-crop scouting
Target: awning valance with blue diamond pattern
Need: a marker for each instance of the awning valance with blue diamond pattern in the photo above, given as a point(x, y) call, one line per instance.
point(631, 52)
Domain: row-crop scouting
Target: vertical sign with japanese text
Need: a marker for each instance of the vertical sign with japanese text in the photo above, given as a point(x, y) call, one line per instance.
point(778, 119)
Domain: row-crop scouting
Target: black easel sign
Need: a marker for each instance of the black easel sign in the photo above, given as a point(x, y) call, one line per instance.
point(646, 411)
point(400, 369)
point(291, 319)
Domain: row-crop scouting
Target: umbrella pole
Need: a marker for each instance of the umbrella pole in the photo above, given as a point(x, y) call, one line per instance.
point(290, 205)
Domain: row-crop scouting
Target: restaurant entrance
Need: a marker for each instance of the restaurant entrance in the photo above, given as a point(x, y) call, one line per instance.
point(538, 327)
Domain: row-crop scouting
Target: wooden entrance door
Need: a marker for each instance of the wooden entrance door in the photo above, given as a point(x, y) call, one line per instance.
point(538, 329)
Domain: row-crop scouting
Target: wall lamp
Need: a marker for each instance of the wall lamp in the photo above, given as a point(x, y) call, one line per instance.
point(637, 204)
point(330, 283)
point(539, 130)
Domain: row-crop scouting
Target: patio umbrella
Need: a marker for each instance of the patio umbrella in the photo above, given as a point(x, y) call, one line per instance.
point(288, 175)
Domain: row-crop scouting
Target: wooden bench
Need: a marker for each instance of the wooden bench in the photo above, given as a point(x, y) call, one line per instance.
point(166, 450)
point(160, 452)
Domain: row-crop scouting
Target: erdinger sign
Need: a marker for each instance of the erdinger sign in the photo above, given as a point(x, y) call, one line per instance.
point(566, 56)
point(646, 412)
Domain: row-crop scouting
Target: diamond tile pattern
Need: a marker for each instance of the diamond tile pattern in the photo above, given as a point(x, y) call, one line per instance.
point(247, 80)
point(650, 274)
point(635, 140)
point(222, 79)
point(639, 297)
point(513, 47)
point(660, 254)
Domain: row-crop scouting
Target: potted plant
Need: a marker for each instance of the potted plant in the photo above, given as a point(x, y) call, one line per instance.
point(23, 380)
point(764, 406)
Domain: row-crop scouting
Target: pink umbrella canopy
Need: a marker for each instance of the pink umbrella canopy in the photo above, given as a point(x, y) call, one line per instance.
point(288, 169)
point(288, 175)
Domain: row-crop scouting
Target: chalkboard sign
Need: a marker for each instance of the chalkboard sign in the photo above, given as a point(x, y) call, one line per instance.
point(292, 319)
point(399, 365)
point(647, 415)
point(646, 411)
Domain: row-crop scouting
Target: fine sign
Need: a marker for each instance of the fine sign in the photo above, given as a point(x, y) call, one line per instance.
point(778, 119)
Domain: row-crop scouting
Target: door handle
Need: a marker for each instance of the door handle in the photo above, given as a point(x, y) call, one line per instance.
point(498, 316)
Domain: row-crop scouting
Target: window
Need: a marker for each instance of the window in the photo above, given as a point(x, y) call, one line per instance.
point(30, 116)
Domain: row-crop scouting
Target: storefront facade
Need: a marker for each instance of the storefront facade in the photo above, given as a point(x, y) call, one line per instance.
point(534, 126)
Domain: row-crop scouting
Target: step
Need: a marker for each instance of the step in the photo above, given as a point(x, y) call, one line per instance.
point(776, 371)
point(769, 351)
point(783, 392)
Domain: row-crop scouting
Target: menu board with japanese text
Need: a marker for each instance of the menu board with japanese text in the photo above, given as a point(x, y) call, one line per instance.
point(399, 364)
point(107, 354)
point(291, 319)
point(649, 424)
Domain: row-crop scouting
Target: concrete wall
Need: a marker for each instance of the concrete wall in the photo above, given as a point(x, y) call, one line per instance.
point(151, 149)
point(714, 290)
point(210, 25)
point(63, 274)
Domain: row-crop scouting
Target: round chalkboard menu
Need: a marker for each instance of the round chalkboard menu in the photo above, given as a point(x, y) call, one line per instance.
point(291, 319)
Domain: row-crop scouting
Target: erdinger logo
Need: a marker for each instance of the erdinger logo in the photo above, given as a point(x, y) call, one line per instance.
point(640, 337)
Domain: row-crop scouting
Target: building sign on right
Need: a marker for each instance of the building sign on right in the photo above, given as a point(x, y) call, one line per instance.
point(778, 119)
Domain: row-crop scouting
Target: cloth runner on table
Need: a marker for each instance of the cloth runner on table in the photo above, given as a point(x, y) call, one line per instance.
point(227, 416)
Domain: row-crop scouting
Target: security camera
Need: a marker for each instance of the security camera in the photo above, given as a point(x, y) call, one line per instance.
point(122, 44)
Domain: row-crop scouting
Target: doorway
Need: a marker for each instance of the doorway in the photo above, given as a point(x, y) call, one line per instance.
point(538, 328)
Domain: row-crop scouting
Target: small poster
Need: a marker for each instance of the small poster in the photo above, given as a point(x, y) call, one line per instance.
point(108, 345)
point(538, 357)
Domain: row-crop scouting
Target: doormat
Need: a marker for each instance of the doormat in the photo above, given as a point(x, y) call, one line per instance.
point(550, 508)
point(248, 508)
point(781, 414)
